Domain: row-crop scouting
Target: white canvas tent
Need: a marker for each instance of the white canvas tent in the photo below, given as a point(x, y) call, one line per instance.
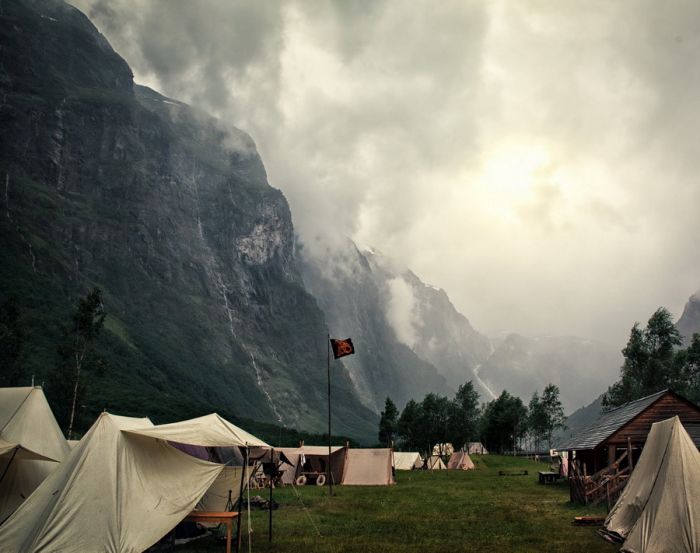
point(476, 448)
point(368, 467)
point(115, 492)
point(657, 511)
point(407, 460)
point(460, 460)
point(33, 443)
point(434, 462)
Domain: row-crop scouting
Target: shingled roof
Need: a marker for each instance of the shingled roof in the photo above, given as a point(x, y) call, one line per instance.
point(609, 423)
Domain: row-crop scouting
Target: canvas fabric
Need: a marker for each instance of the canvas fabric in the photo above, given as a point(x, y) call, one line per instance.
point(7, 453)
point(26, 420)
point(310, 458)
point(434, 462)
point(209, 430)
point(459, 460)
point(404, 460)
point(368, 467)
point(476, 448)
point(658, 511)
point(115, 492)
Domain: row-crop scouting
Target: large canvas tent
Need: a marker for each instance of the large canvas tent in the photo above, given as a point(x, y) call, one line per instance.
point(460, 460)
point(115, 492)
point(476, 448)
point(368, 467)
point(435, 462)
point(310, 459)
point(32, 443)
point(657, 511)
point(407, 460)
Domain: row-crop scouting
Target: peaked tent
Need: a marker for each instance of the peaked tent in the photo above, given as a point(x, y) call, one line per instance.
point(476, 448)
point(405, 460)
point(368, 467)
point(115, 492)
point(657, 511)
point(27, 424)
point(460, 460)
point(434, 462)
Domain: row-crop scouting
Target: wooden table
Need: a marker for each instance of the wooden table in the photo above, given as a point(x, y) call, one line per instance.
point(225, 517)
point(548, 477)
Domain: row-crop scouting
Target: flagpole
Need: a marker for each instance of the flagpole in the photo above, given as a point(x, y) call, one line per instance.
point(328, 368)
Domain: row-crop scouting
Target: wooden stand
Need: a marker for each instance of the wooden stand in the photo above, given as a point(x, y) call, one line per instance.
point(218, 517)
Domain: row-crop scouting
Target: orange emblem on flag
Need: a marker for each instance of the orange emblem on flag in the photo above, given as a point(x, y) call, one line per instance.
point(341, 348)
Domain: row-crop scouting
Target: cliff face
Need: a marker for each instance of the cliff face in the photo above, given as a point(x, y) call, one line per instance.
point(111, 184)
point(689, 323)
point(351, 293)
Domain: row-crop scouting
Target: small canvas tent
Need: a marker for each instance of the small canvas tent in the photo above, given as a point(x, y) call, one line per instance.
point(476, 448)
point(434, 462)
point(404, 460)
point(115, 492)
point(459, 460)
point(368, 467)
point(657, 510)
point(443, 449)
point(27, 425)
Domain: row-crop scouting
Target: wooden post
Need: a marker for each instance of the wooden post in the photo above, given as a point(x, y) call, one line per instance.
point(611, 455)
point(629, 454)
point(328, 366)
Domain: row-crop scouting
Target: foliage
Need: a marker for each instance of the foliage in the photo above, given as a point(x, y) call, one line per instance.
point(388, 423)
point(12, 337)
point(504, 423)
point(76, 354)
point(654, 362)
point(410, 426)
point(537, 420)
point(554, 412)
point(463, 424)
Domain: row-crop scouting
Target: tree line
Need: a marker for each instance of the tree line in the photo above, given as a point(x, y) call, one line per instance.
point(503, 424)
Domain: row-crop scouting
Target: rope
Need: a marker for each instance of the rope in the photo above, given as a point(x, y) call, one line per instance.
point(306, 510)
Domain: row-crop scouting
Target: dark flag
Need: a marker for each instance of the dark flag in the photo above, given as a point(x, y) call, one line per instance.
point(341, 348)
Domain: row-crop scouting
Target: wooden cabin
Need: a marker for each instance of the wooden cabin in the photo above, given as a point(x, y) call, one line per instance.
point(602, 456)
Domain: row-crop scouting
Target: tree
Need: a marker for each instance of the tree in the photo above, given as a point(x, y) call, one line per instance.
point(504, 422)
point(536, 420)
point(75, 356)
point(650, 361)
point(11, 343)
point(463, 423)
point(388, 422)
point(554, 412)
point(410, 426)
point(436, 414)
point(687, 370)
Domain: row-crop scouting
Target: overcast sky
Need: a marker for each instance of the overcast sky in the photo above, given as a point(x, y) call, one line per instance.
point(537, 160)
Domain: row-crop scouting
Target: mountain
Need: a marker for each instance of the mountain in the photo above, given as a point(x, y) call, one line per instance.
point(111, 184)
point(425, 319)
point(351, 293)
point(689, 323)
point(579, 419)
point(581, 368)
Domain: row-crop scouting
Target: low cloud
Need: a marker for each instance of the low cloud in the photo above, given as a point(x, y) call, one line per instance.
point(536, 160)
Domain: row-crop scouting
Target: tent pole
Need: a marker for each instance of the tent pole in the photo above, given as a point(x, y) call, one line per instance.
point(269, 531)
point(240, 502)
point(8, 464)
point(328, 368)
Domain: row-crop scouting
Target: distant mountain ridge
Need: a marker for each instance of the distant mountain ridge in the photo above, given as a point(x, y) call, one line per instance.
point(689, 322)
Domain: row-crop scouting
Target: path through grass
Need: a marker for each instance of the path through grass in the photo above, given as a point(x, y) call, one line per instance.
point(475, 511)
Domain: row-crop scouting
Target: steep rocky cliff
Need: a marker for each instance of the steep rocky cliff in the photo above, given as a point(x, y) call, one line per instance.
point(350, 292)
point(689, 323)
point(111, 184)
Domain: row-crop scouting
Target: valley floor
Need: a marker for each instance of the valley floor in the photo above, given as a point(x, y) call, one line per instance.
point(476, 511)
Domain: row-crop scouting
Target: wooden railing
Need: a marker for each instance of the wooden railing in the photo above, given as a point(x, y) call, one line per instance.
point(605, 485)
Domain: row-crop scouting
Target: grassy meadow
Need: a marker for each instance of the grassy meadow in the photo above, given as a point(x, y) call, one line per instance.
point(445, 511)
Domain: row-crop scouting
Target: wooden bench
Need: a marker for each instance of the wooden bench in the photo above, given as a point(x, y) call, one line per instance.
point(224, 517)
point(512, 473)
point(548, 477)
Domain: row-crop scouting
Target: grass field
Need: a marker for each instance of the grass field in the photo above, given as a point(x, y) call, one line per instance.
point(476, 511)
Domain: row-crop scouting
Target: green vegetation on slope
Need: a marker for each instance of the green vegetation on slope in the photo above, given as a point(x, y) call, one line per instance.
point(446, 511)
